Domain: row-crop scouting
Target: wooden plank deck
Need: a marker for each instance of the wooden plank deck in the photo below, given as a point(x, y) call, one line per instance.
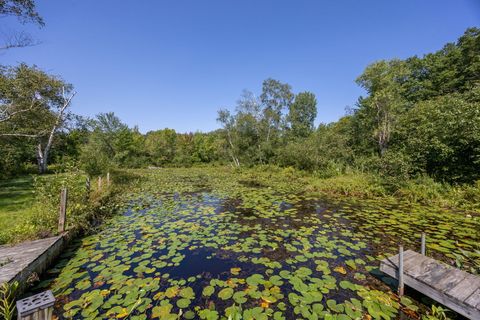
point(454, 288)
point(18, 262)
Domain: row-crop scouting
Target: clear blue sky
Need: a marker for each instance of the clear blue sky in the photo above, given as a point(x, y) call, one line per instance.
point(174, 63)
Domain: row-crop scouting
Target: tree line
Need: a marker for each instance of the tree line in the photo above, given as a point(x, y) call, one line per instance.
point(419, 116)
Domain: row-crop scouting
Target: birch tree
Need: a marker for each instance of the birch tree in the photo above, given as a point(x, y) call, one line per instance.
point(33, 105)
point(228, 123)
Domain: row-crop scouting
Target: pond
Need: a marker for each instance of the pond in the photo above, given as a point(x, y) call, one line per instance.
point(186, 248)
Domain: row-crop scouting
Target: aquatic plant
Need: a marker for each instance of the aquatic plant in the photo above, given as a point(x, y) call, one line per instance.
point(8, 293)
point(202, 244)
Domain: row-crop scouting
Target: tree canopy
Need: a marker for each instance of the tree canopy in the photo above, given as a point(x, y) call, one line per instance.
point(418, 116)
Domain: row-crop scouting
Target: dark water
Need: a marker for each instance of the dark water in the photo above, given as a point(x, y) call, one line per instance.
point(193, 240)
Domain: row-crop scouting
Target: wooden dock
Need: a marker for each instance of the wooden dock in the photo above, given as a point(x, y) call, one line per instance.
point(18, 262)
point(454, 288)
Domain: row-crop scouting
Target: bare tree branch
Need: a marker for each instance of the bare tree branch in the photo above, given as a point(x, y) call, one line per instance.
point(5, 115)
point(22, 135)
point(17, 40)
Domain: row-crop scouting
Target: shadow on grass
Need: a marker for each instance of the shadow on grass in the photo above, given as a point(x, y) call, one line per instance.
point(15, 193)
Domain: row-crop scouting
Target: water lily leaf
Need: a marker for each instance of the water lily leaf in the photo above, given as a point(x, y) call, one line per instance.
point(183, 303)
point(207, 314)
point(285, 274)
point(225, 293)
point(172, 292)
point(351, 264)
point(159, 295)
point(255, 279)
point(235, 271)
point(84, 284)
point(239, 297)
point(344, 284)
point(408, 303)
point(276, 280)
point(122, 314)
point(340, 269)
point(359, 276)
point(187, 293)
point(163, 310)
point(332, 305)
point(208, 291)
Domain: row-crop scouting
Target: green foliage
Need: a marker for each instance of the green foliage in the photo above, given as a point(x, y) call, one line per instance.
point(111, 144)
point(7, 300)
point(326, 151)
point(276, 97)
point(32, 104)
point(254, 132)
point(469, 260)
point(37, 215)
point(442, 137)
point(16, 157)
point(426, 110)
point(47, 194)
point(384, 102)
point(94, 162)
point(24, 10)
point(302, 113)
point(356, 184)
point(419, 117)
point(436, 313)
point(160, 146)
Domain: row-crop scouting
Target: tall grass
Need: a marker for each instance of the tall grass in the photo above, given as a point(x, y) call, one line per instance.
point(84, 209)
point(355, 183)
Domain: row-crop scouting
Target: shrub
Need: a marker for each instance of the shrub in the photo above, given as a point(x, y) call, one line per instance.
point(392, 169)
point(83, 208)
point(353, 184)
point(422, 189)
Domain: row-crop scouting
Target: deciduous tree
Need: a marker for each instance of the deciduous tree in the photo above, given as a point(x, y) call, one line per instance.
point(302, 114)
point(33, 105)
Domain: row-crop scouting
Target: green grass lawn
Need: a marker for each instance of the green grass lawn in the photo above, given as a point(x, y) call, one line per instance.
point(29, 208)
point(16, 199)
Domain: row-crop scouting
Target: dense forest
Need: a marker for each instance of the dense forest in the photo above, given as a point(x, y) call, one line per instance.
point(419, 117)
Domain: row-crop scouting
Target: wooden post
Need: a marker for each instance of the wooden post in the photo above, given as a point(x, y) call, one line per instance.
point(422, 248)
point(63, 211)
point(99, 183)
point(108, 179)
point(400, 271)
point(87, 185)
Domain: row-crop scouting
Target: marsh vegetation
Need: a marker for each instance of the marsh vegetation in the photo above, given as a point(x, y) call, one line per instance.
point(212, 243)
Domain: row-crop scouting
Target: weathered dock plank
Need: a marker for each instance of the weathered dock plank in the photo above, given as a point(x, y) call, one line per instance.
point(454, 288)
point(18, 262)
